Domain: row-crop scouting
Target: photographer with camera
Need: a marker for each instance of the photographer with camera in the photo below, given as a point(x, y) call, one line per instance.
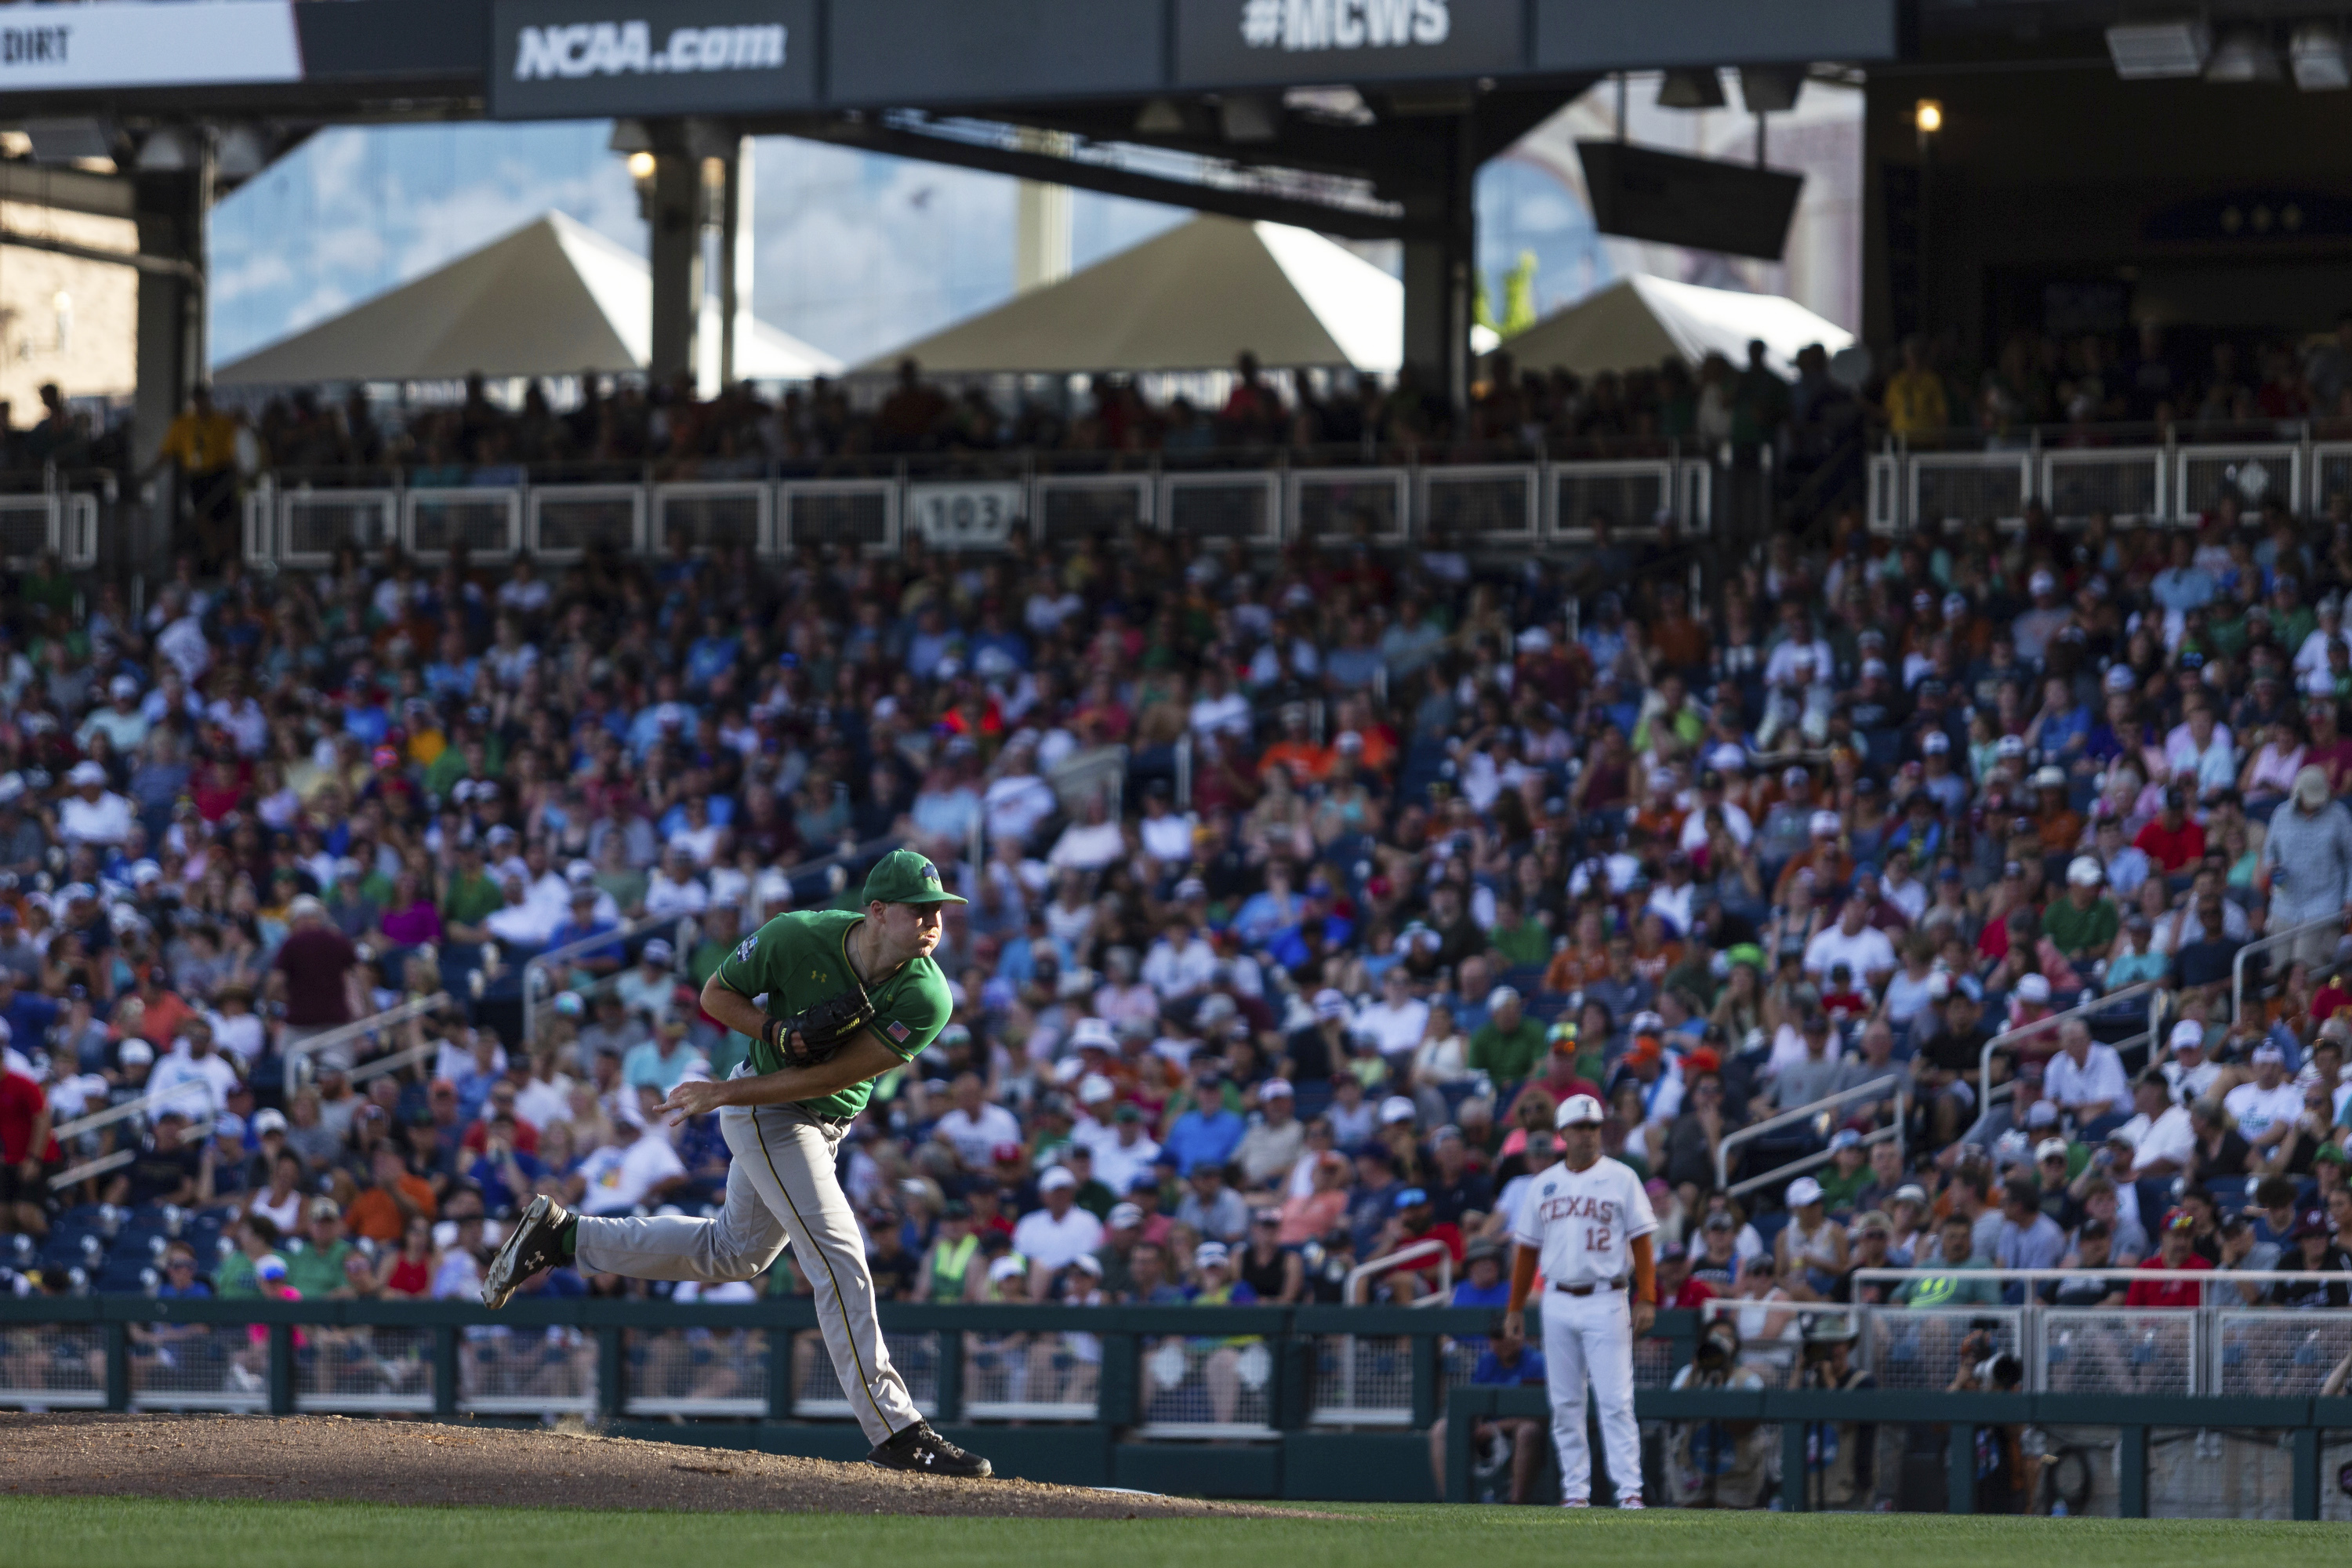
point(1841, 1456)
point(2006, 1474)
point(1720, 1464)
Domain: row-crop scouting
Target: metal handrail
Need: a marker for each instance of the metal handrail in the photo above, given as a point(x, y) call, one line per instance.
point(2276, 938)
point(2098, 1005)
point(142, 1106)
point(296, 1055)
point(1413, 1253)
point(392, 1063)
point(539, 964)
point(89, 1168)
point(1803, 1162)
point(1756, 1129)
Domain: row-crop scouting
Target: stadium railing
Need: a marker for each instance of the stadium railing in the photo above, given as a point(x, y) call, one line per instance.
point(1258, 497)
point(2144, 473)
point(2270, 942)
point(1128, 1381)
point(2107, 1006)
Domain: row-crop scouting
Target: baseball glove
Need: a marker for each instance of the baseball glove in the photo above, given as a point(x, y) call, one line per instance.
point(814, 1034)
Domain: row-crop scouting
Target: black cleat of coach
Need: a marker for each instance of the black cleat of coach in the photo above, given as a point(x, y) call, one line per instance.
point(925, 1452)
point(536, 1243)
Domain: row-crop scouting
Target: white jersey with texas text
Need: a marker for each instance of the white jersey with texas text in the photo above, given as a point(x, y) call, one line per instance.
point(1582, 1223)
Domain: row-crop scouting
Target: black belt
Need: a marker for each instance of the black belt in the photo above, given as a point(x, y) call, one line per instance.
point(1587, 1290)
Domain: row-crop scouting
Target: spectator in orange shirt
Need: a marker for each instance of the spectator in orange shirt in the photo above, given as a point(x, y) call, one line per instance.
point(382, 1213)
point(159, 1025)
point(1585, 959)
point(1307, 762)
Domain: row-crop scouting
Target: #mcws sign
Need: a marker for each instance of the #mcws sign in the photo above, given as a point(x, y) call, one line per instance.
point(701, 57)
point(1305, 41)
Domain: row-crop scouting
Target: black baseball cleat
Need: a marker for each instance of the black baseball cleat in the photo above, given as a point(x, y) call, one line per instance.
point(924, 1451)
point(536, 1243)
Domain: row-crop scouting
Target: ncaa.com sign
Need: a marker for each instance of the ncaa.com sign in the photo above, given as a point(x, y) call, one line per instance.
point(559, 57)
point(624, 49)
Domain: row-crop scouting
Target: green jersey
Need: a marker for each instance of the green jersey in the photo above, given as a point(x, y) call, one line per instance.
point(797, 960)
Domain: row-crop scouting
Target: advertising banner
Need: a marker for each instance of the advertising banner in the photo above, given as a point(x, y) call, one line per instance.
point(52, 48)
point(552, 59)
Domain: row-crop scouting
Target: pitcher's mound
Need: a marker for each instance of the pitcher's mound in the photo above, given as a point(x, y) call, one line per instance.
point(330, 1460)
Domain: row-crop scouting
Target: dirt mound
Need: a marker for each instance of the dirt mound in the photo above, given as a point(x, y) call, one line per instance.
point(329, 1459)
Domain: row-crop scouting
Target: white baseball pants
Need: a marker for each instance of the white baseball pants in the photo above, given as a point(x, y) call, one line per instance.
point(781, 1185)
point(1588, 1341)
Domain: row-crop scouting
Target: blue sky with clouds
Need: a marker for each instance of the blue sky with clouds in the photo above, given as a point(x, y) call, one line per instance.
point(856, 253)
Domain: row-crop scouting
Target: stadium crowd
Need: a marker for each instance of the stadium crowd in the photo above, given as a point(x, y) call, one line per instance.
point(1303, 890)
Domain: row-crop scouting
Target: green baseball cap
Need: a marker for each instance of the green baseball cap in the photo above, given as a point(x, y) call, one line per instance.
point(904, 876)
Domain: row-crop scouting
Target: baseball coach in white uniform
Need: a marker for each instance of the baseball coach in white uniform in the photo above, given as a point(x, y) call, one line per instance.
point(1587, 1222)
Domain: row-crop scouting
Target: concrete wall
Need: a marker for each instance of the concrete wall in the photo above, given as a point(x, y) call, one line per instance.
point(64, 318)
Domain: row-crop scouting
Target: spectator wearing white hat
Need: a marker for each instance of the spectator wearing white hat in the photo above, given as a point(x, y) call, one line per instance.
point(2084, 922)
point(1810, 1249)
point(122, 720)
point(1058, 1233)
point(2188, 1070)
point(92, 814)
point(2265, 1110)
point(2307, 867)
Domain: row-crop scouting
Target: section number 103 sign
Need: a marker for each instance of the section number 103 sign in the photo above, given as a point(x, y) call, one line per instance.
point(977, 514)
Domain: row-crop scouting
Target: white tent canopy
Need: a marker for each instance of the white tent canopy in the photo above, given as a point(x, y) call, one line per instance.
point(1641, 320)
point(551, 298)
point(1188, 300)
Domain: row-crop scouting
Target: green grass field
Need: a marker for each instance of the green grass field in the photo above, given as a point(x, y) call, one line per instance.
point(93, 1532)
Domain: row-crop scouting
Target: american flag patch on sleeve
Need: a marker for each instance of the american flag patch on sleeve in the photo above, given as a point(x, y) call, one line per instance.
point(896, 1031)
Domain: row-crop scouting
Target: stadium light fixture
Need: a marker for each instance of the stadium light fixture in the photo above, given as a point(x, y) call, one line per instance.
point(641, 166)
point(1929, 116)
point(2316, 53)
point(67, 141)
point(1159, 117)
point(2243, 55)
point(1691, 89)
point(165, 152)
point(1770, 89)
point(2145, 51)
point(243, 152)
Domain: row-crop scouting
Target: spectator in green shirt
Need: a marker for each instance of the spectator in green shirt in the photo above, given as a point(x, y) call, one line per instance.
point(234, 1280)
point(2083, 924)
point(1509, 1048)
point(719, 935)
point(1950, 1290)
point(472, 898)
point(1520, 940)
point(1847, 1173)
point(317, 1269)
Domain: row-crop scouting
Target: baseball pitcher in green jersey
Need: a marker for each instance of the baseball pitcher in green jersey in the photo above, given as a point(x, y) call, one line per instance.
point(783, 1126)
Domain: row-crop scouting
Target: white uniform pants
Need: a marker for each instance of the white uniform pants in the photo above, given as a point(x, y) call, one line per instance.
point(1589, 1341)
point(781, 1185)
